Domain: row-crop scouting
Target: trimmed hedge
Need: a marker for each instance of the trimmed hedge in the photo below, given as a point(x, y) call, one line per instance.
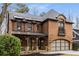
point(9, 45)
point(75, 46)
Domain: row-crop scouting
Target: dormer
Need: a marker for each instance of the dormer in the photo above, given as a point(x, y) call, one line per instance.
point(61, 17)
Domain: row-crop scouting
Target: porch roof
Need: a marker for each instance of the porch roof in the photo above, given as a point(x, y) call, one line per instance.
point(29, 33)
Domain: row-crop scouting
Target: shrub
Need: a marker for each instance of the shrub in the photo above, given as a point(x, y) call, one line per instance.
point(75, 46)
point(9, 45)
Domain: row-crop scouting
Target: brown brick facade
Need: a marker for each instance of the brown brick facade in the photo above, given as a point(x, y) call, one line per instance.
point(49, 27)
point(24, 26)
point(53, 32)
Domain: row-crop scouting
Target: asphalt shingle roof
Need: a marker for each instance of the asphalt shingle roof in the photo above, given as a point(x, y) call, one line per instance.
point(25, 16)
point(52, 14)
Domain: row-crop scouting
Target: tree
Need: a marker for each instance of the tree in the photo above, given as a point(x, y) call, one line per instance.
point(22, 8)
point(4, 10)
point(75, 46)
point(9, 45)
point(35, 10)
point(77, 23)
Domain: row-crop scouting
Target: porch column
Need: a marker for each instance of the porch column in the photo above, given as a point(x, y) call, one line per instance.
point(37, 44)
point(27, 44)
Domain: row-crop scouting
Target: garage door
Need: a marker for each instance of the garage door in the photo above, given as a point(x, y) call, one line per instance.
point(60, 45)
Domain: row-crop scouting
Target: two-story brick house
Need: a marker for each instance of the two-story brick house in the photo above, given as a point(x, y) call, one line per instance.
point(50, 32)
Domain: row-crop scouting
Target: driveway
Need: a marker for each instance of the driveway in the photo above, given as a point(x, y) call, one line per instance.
point(62, 52)
point(57, 53)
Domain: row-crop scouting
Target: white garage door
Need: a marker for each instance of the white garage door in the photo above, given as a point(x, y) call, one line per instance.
point(60, 45)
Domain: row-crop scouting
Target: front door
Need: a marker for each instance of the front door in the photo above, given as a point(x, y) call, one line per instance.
point(42, 44)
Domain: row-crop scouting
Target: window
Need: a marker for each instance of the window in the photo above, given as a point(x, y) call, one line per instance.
point(29, 25)
point(42, 44)
point(61, 30)
point(38, 28)
point(14, 26)
point(18, 26)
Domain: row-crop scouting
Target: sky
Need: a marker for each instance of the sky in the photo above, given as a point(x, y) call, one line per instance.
point(68, 9)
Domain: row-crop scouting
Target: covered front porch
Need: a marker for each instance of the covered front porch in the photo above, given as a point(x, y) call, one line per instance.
point(33, 43)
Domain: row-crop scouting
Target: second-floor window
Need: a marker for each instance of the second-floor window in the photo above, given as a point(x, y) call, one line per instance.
point(61, 30)
point(38, 28)
point(29, 27)
point(18, 26)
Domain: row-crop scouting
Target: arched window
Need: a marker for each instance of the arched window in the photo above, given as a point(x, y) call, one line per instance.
point(61, 30)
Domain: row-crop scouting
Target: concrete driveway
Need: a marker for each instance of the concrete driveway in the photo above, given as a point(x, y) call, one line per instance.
point(57, 53)
point(62, 52)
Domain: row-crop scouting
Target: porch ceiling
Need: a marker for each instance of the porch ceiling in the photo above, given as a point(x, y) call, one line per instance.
point(29, 33)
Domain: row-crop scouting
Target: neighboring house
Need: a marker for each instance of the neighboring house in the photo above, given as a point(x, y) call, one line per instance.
point(76, 35)
point(51, 32)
